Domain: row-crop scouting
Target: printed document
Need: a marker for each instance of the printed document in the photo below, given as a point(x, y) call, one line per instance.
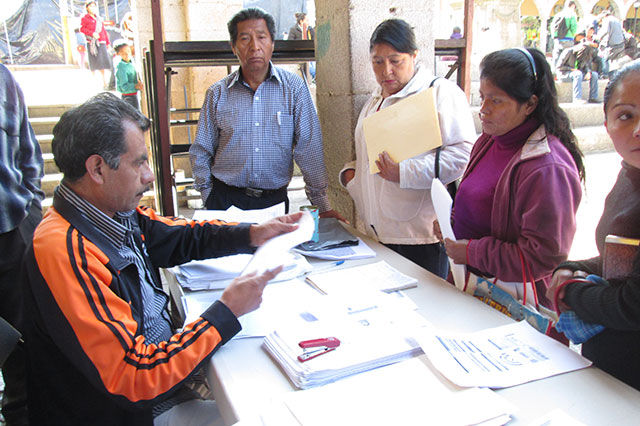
point(498, 357)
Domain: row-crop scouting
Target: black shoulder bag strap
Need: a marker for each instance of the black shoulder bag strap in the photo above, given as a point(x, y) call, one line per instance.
point(452, 188)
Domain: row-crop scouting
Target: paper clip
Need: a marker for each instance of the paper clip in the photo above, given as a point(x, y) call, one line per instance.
point(316, 347)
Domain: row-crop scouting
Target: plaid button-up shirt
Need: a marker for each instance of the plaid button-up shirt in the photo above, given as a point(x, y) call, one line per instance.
point(21, 165)
point(250, 138)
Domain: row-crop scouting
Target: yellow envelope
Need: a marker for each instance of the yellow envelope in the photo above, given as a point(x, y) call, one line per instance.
point(405, 129)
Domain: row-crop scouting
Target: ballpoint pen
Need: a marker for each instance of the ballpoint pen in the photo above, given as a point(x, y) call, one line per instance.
point(323, 268)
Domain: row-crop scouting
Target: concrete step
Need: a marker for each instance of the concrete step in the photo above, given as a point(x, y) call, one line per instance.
point(580, 115)
point(43, 125)
point(584, 115)
point(49, 164)
point(45, 142)
point(38, 111)
point(49, 183)
point(565, 90)
point(593, 138)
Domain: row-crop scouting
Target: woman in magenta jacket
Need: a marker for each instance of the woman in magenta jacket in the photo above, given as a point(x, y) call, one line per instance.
point(92, 26)
point(521, 190)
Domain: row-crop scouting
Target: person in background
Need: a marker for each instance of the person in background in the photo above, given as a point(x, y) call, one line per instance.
point(611, 39)
point(92, 26)
point(101, 346)
point(564, 32)
point(81, 44)
point(253, 124)
point(520, 193)
point(457, 33)
point(614, 303)
point(127, 81)
point(574, 64)
point(303, 31)
point(21, 171)
point(395, 204)
point(127, 29)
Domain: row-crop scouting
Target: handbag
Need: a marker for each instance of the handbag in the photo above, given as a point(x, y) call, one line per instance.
point(505, 297)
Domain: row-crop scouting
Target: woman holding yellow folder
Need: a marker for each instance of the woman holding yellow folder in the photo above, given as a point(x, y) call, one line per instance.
point(395, 204)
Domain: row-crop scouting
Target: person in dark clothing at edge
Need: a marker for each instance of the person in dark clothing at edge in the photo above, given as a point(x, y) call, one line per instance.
point(611, 308)
point(101, 347)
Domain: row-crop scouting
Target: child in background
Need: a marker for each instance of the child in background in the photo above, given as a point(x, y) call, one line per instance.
point(81, 41)
point(127, 81)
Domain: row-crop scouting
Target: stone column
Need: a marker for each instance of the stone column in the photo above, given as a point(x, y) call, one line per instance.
point(344, 76)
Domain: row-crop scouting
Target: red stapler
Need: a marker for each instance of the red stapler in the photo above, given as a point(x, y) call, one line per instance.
point(316, 347)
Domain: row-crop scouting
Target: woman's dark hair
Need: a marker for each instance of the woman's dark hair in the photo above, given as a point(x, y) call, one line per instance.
point(511, 70)
point(615, 81)
point(396, 33)
point(246, 15)
point(95, 127)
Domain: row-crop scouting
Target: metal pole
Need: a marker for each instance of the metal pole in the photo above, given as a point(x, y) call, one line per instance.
point(6, 33)
point(635, 19)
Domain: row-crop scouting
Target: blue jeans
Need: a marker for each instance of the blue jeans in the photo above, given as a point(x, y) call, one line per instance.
point(577, 77)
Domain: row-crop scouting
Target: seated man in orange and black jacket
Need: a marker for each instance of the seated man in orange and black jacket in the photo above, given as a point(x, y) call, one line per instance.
point(101, 347)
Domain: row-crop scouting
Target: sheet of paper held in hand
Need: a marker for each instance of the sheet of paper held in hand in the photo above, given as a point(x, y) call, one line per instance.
point(498, 357)
point(442, 203)
point(405, 129)
point(270, 254)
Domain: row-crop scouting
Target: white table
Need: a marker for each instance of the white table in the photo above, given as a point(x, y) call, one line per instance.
point(245, 378)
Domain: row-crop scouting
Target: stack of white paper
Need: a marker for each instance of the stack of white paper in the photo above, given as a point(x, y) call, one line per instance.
point(214, 274)
point(234, 214)
point(373, 331)
point(379, 275)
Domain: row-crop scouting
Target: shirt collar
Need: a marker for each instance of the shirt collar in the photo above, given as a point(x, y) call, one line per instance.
point(413, 86)
point(237, 75)
point(116, 230)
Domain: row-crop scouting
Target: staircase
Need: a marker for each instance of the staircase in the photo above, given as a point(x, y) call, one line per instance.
point(43, 118)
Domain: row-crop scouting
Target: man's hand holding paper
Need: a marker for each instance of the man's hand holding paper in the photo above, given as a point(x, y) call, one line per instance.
point(276, 237)
point(260, 234)
point(273, 237)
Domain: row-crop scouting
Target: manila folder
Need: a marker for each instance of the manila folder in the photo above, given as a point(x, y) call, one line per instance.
point(405, 129)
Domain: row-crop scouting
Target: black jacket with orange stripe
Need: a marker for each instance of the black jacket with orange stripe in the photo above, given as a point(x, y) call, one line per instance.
point(88, 361)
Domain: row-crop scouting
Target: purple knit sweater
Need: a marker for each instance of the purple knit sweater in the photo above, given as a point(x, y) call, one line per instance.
point(475, 194)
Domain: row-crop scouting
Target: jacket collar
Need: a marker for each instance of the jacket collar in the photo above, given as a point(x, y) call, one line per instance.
point(536, 145)
point(85, 227)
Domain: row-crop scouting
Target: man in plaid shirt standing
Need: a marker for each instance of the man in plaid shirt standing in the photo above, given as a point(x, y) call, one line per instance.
point(253, 124)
